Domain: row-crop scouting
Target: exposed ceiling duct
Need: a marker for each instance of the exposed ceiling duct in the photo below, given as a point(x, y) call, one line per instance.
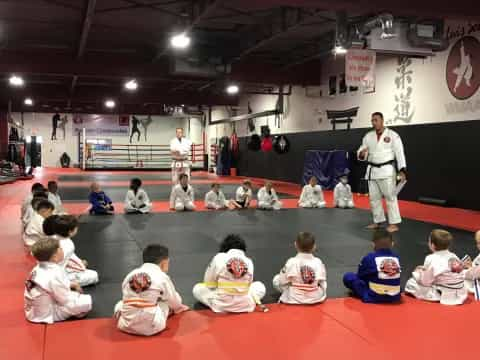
point(384, 21)
point(427, 36)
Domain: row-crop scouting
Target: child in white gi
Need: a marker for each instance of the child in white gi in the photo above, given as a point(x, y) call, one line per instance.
point(267, 198)
point(48, 291)
point(37, 187)
point(303, 279)
point(342, 194)
point(34, 230)
point(441, 278)
point(182, 195)
point(228, 283)
point(312, 195)
point(149, 296)
point(137, 200)
point(55, 199)
point(215, 199)
point(472, 274)
point(28, 214)
point(63, 228)
point(243, 195)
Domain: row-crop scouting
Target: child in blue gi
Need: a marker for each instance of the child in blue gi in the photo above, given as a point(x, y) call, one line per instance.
point(101, 203)
point(378, 277)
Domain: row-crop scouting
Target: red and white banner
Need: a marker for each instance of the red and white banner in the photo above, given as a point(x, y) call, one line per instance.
point(360, 68)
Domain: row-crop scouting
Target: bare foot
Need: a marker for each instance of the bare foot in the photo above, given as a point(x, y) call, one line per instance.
point(392, 228)
point(372, 227)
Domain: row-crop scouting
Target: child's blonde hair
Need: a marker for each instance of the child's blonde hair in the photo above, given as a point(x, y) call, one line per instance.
point(441, 239)
point(43, 250)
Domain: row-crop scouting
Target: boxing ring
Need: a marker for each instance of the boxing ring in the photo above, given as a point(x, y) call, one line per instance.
point(97, 154)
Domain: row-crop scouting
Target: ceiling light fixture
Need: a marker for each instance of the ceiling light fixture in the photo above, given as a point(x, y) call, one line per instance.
point(180, 41)
point(15, 80)
point(110, 104)
point(233, 89)
point(131, 85)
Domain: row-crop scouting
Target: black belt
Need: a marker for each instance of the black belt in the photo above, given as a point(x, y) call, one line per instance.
point(390, 162)
point(372, 165)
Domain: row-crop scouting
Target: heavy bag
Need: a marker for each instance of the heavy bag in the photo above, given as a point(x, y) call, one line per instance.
point(234, 143)
point(65, 160)
point(267, 144)
point(254, 143)
point(265, 131)
point(281, 144)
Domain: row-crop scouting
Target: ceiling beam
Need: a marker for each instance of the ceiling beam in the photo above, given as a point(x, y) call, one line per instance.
point(200, 11)
point(323, 46)
point(152, 6)
point(140, 5)
point(285, 20)
point(62, 4)
point(82, 42)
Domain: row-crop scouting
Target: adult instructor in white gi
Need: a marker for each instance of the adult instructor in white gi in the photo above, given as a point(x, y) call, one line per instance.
point(180, 150)
point(382, 148)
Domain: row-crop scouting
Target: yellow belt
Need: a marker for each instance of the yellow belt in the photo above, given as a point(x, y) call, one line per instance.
point(382, 289)
point(230, 287)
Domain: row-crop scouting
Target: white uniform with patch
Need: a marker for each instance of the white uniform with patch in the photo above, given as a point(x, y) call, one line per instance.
point(57, 203)
point(180, 163)
point(268, 201)
point(303, 280)
point(312, 197)
point(148, 297)
point(228, 284)
point(34, 230)
point(472, 277)
point(342, 196)
point(74, 266)
point(48, 297)
point(439, 280)
point(139, 202)
point(180, 199)
point(382, 180)
point(241, 194)
point(215, 200)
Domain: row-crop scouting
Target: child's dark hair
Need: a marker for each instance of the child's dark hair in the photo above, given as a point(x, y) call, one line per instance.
point(382, 239)
point(37, 187)
point(61, 225)
point(155, 254)
point(51, 184)
point(214, 184)
point(42, 204)
point(43, 250)
point(305, 242)
point(233, 241)
point(441, 239)
point(135, 184)
point(378, 113)
point(182, 176)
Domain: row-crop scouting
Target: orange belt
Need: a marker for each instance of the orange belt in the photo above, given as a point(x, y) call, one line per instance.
point(139, 303)
point(305, 287)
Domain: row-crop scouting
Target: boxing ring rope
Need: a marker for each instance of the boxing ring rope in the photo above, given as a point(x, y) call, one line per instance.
point(100, 154)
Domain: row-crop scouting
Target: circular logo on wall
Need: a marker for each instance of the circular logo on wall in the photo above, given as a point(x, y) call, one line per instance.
point(463, 68)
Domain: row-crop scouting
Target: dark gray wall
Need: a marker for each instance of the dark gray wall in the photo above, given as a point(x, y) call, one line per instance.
point(442, 159)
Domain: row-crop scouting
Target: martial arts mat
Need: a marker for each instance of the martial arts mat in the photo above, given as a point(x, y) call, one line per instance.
point(113, 245)
point(123, 177)
point(155, 192)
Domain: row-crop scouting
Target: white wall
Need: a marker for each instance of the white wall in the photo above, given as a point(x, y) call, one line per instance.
point(160, 132)
point(431, 100)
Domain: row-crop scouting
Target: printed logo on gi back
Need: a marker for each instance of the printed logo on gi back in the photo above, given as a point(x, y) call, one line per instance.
point(463, 68)
point(455, 265)
point(237, 267)
point(140, 282)
point(390, 267)
point(307, 274)
point(30, 283)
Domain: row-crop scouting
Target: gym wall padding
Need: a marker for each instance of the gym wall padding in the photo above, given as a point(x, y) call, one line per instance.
point(442, 159)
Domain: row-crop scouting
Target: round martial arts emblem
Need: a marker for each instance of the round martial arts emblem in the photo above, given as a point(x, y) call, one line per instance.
point(463, 68)
point(456, 265)
point(140, 282)
point(390, 267)
point(237, 267)
point(307, 274)
point(30, 283)
point(387, 139)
